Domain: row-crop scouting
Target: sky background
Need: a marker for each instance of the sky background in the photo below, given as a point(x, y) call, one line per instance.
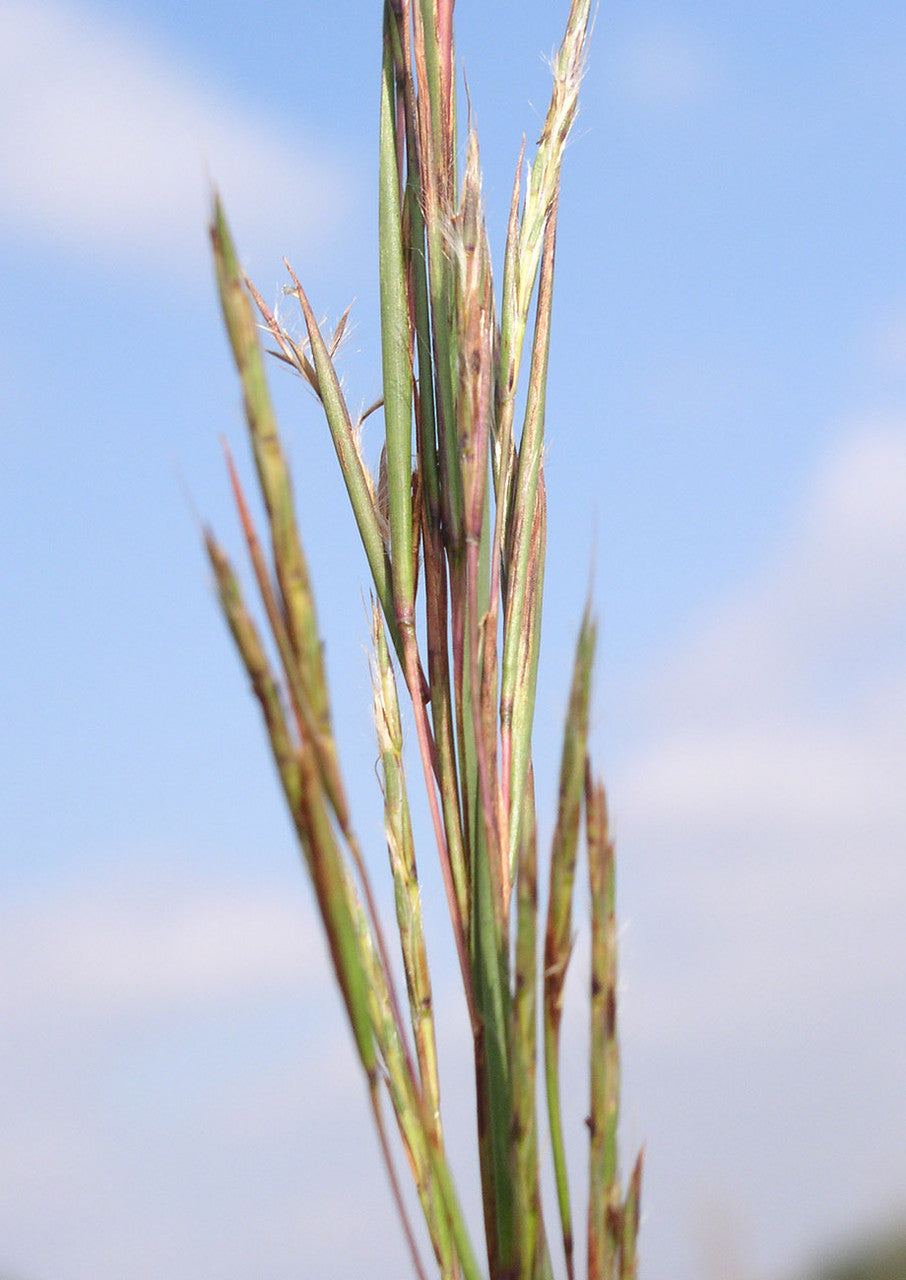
point(727, 460)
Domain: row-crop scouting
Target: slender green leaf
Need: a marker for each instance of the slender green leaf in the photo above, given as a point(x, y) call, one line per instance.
point(604, 1200)
point(273, 474)
point(356, 479)
point(395, 349)
point(558, 940)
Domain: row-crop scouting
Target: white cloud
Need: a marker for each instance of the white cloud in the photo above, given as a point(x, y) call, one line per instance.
point(761, 840)
point(109, 146)
point(665, 70)
point(104, 950)
point(768, 799)
point(181, 1086)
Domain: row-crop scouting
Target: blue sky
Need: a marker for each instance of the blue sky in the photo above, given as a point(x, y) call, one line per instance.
point(727, 447)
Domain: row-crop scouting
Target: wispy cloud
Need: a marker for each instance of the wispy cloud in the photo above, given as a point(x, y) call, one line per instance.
point(769, 794)
point(762, 863)
point(109, 146)
point(113, 950)
point(665, 70)
point(180, 1087)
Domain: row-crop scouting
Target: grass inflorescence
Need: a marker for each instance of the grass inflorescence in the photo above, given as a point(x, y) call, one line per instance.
point(454, 529)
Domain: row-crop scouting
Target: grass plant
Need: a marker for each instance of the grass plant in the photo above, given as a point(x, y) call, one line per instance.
point(453, 527)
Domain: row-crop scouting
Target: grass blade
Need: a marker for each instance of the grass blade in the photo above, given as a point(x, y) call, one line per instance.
point(532, 1257)
point(273, 475)
point(395, 350)
point(516, 722)
point(630, 1226)
point(358, 482)
point(401, 847)
point(604, 1199)
point(558, 940)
